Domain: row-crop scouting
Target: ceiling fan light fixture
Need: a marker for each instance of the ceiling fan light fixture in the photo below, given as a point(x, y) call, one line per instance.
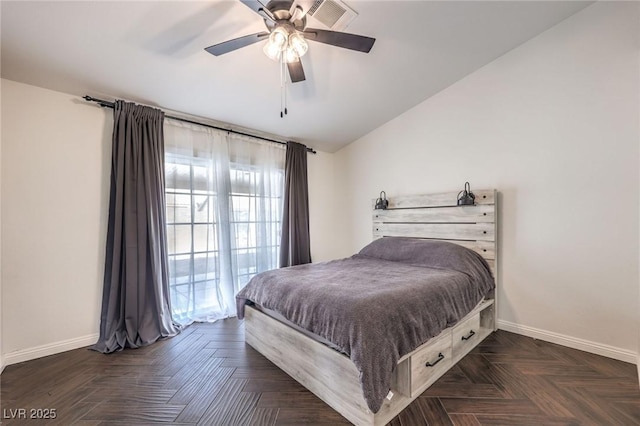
point(298, 44)
point(278, 42)
point(279, 37)
point(272, 51)
point(290, 55)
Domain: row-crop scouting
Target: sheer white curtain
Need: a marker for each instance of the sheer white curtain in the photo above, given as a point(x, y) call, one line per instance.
point(224, 205)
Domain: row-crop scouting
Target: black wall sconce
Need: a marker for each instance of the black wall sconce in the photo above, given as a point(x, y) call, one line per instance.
point(382, 203)
point(466, 197)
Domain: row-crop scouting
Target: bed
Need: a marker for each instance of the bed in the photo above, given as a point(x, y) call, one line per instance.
point(326, 341)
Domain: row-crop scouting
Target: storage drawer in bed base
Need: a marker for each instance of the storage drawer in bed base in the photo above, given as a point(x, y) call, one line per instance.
point(422, 367)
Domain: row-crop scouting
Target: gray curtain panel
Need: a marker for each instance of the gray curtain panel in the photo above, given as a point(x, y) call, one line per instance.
point(135, 299)
point(295, 246)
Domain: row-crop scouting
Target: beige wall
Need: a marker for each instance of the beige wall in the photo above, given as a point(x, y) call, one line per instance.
point(322, 206)
point(55, 180)
point(553, 125)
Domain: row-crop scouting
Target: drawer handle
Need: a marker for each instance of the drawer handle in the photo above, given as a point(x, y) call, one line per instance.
point(469, 336)
point(431, 364)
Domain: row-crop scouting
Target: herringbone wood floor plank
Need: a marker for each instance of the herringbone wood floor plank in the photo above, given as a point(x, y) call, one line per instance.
point(197, 406)
point(464, 420)
point(264, 417)
point(207, 375)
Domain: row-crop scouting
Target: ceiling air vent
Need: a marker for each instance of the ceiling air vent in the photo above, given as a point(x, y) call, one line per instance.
point(333, 13)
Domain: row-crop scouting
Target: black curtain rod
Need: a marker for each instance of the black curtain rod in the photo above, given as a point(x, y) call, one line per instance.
point(109, 104)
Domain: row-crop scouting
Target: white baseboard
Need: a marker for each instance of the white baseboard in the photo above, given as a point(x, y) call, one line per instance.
point(571, 342)
point(49, 349)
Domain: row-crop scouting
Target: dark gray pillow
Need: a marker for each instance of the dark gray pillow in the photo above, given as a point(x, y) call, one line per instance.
point(430, 254)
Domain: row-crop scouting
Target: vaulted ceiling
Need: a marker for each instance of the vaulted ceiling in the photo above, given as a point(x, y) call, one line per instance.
point(152, 52)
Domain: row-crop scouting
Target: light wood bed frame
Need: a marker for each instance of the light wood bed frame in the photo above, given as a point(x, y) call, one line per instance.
point(331, 375)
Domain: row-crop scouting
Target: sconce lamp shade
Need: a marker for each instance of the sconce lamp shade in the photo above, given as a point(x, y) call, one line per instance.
point(382, 203)
point(466, 197)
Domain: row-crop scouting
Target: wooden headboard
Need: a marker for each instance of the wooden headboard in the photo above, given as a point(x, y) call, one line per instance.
point(437, 217)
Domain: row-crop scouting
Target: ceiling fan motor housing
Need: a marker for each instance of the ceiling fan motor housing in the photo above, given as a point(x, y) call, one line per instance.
point(281, 10)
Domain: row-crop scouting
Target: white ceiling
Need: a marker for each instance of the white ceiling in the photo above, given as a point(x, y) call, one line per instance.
point(152, 52)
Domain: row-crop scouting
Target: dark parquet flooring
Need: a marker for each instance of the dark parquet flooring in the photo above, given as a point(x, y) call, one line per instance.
point(208, 376)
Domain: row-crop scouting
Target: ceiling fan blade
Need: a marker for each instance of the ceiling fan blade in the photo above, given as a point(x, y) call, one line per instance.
point(296, 72)
point(236, 43)
point(259, 8)
point(296, 11)
point(345, 40)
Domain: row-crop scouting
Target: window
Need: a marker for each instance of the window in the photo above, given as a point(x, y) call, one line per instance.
point(257, 235)
point(223, 227)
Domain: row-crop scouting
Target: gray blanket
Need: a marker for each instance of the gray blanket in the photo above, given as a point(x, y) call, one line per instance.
point(379, 304)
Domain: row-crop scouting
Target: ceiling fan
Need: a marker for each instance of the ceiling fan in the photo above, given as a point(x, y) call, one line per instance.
point(287, 33)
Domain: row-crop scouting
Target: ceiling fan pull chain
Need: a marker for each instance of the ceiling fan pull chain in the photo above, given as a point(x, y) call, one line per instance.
point(281, 85)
